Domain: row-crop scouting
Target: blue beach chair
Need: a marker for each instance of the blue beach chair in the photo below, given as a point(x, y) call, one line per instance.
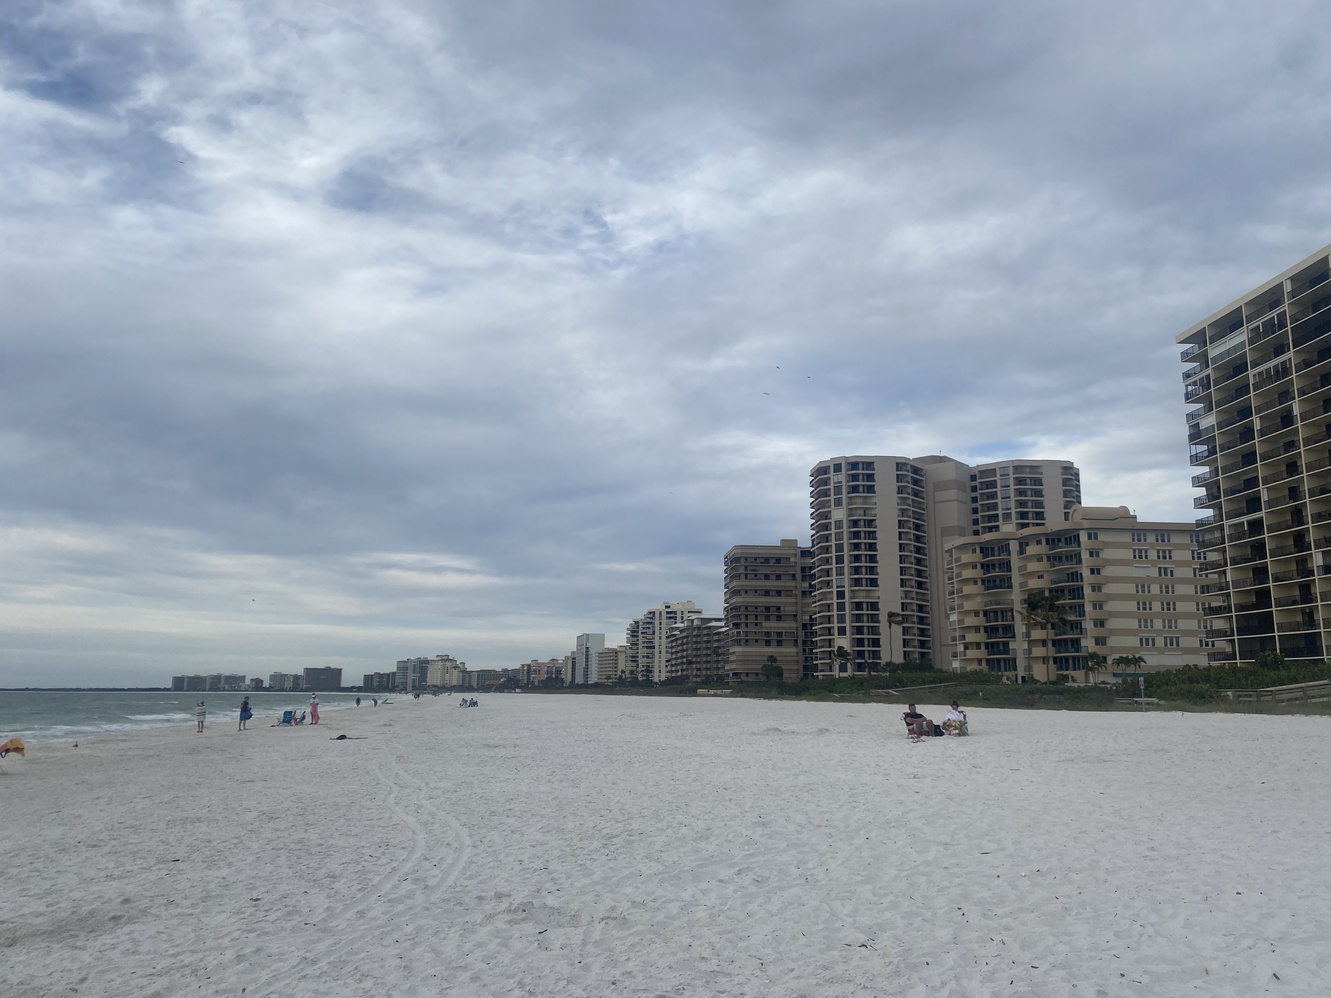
point(288, 718)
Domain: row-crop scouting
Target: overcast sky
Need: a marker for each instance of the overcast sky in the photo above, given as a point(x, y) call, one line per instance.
point(336, 332)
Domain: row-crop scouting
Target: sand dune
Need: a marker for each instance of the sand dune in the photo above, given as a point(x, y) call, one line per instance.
point(586, 846)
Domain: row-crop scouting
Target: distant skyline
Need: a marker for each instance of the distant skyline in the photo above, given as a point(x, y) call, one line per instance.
point(340, 333)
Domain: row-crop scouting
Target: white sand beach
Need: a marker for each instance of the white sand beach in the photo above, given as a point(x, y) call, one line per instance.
point(587, 846)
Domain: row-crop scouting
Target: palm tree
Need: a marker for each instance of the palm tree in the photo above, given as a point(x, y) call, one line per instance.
point(1126, 662)
point(1042, 609)
point(891, 619)
point(1095, 663)
point(841, 655)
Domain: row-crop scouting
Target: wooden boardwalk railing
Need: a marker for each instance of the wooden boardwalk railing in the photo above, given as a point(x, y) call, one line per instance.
point(1312, 692)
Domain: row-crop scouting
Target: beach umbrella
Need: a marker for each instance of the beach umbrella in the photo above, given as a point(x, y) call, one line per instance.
point(13, 745)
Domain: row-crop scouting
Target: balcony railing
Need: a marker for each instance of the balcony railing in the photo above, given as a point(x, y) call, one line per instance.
point(1294, 576)
point(1286, 626)
point(1296, 600)
point(1280, 476)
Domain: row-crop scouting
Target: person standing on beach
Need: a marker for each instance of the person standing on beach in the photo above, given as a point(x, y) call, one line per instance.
point(200, 712)
point(314, 708)
point(245, 713)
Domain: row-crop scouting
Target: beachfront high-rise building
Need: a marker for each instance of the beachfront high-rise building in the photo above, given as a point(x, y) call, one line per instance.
point(585, 650)
point(696, 650)
point(878, 528)
point(612, 664)
point(1259, 430)
point(1129, 589)
point(645, 637)
point(536, 672)
point(444, 671)
point(286, 682)
point(323, 679)
point(766, 614)
point(412, 674)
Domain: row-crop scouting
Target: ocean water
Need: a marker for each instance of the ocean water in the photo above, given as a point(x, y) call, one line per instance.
point(39, 716)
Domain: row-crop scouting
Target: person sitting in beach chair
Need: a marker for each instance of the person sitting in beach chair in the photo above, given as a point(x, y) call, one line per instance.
point(288, 718)
point(955, 722)
point(917, 725)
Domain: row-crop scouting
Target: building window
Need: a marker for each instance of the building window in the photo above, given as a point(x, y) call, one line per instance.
point(1169, 606)
point(1145, 624)
point(1169, 624)
point(1140, 554)
point(1164, 554)
point(1146, 641)
point(1162, 537)
point(1165, 573)
point(1092, 554)
point(1097, 606)
point(1092, 535)
point(1101, 642)
point(1139, 537)
point(1098, 623)
point(1145, 606)
point(1167, 588)
point(1094, 570)
point(1171, 641)
point(1097, 587)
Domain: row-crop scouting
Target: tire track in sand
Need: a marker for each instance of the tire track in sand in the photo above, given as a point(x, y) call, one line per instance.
point(436, 851)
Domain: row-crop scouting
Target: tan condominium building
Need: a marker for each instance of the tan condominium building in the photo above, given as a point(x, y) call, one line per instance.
point(646, 638)
point(878, 528)
point(1128, 590)
point(612, 664)
point(1259, 382)
point(766, 612)
point(696, 651)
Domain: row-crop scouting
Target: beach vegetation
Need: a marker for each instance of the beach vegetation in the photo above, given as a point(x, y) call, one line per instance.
point(1194, 684)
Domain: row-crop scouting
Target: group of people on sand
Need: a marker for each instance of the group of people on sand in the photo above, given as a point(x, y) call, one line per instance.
point(464, 702)
point(918, 726)
point(246, 713)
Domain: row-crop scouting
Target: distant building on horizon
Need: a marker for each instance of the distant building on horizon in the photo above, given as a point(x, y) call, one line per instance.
point(767, 617)
point(612, 664)
point(215, 683)
point(536, 672)
point(1259, 381)
point(587, 647)
point(645, 638)
point(412, 674)
point(322, 680)
point(697, 650)
point(445, 671)
point(286, 682)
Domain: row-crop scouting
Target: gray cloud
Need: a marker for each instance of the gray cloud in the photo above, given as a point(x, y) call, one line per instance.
point(470, 327)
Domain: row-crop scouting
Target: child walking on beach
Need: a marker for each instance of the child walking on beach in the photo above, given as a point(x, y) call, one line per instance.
point(200, 712)
point(314, 708)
